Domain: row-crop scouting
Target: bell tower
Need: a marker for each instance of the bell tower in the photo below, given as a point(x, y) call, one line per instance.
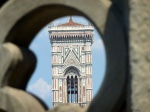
point(71, 44)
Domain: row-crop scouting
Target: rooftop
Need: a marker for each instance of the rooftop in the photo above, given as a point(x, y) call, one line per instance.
point(70, 23)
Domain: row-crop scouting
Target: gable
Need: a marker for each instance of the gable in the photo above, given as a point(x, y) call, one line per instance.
point(71, 58)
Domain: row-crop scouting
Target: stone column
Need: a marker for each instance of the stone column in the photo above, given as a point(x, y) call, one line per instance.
point(78, 89)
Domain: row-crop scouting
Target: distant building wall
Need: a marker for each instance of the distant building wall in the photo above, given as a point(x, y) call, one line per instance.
point(71, 62)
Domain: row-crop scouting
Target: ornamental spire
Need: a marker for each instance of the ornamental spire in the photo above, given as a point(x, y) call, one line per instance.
point(70, 19)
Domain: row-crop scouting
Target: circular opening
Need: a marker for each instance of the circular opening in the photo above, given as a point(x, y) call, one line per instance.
point(41, 82)
point(25, 24)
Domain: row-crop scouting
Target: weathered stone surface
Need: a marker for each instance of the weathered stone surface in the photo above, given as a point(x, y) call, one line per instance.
point(115, 39)
point(14, 100)
point(32, 10)
point(67, 108)
point(140, 55)
point(16, 63)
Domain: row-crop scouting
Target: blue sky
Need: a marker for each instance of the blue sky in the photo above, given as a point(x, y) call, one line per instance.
point(40, 83)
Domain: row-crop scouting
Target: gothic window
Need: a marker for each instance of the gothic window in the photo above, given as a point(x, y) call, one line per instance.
point(83, 69)
point(55, 49)
point(82, 48)
point(83, 59)
point(55, 96)
point(59, 49)
point(55, 83)
point(88, 58)
point(59, 70)
point(87, 70)
point(59, 58)
point(87, 94)
point(60, 91)
point(90, 96)
point(83, 90)
point(72, 88)
point(54, 59)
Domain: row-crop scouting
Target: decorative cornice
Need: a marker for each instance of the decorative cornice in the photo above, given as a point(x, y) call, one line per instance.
point(67, 31)
point(70, 28)
point(72, 35)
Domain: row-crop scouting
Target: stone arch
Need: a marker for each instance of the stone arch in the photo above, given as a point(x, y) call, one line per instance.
point(20, 27)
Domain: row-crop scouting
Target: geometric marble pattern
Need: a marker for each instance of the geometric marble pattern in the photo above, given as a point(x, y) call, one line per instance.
point(71, 51)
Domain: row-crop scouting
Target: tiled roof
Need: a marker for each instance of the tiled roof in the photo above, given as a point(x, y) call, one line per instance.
point(71, 23)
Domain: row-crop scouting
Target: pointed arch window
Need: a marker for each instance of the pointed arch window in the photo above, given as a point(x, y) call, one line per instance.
point(72, 87)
